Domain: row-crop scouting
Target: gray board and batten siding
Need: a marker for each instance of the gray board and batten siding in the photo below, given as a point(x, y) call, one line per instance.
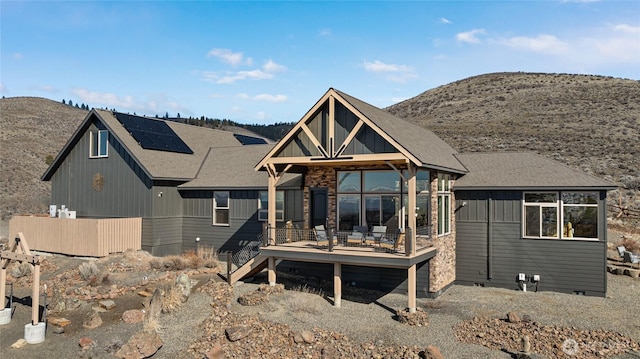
point(491, 250)
point(244, 226)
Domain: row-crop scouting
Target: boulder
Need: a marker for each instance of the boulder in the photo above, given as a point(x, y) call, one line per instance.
point(238, 332)
point(143, 344)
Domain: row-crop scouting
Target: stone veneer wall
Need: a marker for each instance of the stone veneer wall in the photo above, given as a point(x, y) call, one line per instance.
point(320, 177)
point(442, 267)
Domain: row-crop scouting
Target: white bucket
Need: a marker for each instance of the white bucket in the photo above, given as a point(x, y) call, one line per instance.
point(34, 334)
point(5, 316)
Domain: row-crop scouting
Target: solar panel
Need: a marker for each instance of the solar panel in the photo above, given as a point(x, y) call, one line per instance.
point(153, 134)
point(249, 140)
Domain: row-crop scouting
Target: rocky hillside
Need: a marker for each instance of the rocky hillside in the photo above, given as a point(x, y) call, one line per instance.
point(591, 123)
point(30, 130)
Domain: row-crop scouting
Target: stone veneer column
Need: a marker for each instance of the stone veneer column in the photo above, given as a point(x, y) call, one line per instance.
point(321, 176)
point(442, 267)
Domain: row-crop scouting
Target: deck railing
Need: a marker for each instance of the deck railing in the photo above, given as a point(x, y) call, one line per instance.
point(386, 242)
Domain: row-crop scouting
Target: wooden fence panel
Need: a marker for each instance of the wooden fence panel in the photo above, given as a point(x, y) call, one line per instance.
point(78, 237)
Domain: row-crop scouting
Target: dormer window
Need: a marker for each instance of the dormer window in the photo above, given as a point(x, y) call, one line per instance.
point(98, 144)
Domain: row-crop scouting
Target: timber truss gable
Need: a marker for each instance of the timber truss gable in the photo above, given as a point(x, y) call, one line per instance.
point(333, 130)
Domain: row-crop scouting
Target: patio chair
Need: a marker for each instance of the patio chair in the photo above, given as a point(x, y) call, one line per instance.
point(357, 236)
point(377, 234)
point(322, 238)
point(631, 258)
point(392, 245)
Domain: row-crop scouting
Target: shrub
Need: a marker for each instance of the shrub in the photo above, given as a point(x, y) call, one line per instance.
point(631, 244)
point(172, 298)
point(87, 270)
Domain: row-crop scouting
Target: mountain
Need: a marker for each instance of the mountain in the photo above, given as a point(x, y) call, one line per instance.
point(591, 123)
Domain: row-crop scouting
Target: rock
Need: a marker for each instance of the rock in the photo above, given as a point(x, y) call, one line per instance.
point(145, 293)
point(433, 352)
point(61, 322)
point(107, 304)
point(215, 352)
point(238, 332)
point(308, 336)
point(19, 344)
point(143, 344)
point(86, 343)
point(155, 307)
point(633, 273)
point(183, 283)
point(513, 317)
point(57, 329)
point(526, 345)
point(93, 321)
point(133, 316)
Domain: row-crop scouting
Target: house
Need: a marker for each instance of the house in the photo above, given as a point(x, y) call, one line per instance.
point(184, 181)
point(351, 194)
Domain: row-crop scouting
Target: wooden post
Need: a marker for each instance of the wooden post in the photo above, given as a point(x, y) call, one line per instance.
point(411, 281)
point(410, 235)
point(35, 296)
point(337, 284)
point(3, 282)
point(272, 271)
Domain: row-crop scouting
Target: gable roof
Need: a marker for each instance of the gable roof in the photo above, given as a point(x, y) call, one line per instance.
point(156, 164)
point(425, 145)
point(230, 168)
point(522, 170)
point(419, 144)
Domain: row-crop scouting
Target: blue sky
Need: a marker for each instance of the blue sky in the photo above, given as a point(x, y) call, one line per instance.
point(268, 61)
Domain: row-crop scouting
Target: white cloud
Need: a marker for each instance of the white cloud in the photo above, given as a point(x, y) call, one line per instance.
point(17, 56)
point(238, 110)
point(379, 66)
point(395, 73)
point(470, 36)
point(264, 97)
point(627, 28)
point(266, 73)
point(272, 67)
point(3, 89)
point(547, 44)
point(444, 20)
point(244, 75)
point(44, 88)
point(229, 57)
point(157, 103)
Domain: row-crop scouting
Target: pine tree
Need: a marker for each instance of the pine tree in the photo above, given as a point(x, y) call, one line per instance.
point(70, 103)
point(64, 103)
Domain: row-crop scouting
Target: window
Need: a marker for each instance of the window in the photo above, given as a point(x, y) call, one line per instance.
point(444, 204)
point(263, 206)
point(580, 215)
point(541, 215)
point(576, 211)
point(221, 208)
point(98, 144)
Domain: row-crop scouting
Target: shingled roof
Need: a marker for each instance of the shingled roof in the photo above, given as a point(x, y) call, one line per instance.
point(231, 168)
point(522, 171)
point(164, 165)
point(419, 141)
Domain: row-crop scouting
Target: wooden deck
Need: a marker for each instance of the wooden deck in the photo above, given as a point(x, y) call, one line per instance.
point(309, 251)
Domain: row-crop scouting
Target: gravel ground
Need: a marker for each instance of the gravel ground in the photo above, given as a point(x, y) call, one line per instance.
point(368, 321)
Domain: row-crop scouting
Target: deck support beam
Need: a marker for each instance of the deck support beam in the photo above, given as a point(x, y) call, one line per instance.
point(411, 291)
point(272, 271)
point(337, 284)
